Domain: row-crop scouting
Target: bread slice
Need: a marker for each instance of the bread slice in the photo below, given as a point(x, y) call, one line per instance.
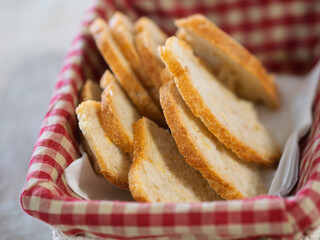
point(90, 91)
point(149, 37)
point(118, 114)
point(159, 173)
point(122, 30)
point(113, 163)
point(226, 173)
point(123, 33)
point(233, 121)
point(235, 66)
point(123, 72)
point(106, 79)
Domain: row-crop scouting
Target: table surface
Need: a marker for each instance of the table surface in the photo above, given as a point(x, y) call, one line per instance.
point(35, 36)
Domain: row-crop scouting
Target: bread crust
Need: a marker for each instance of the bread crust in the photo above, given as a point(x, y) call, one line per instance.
point(122, 30)
point(124, 74)
point(112, 122)
point(138, 192)
point(150, 66)
point(151, 63)
point(146, 40)
point(188, 147)
point(123, 33)
point(209, 31)
point(107, 172)
point(200, 109)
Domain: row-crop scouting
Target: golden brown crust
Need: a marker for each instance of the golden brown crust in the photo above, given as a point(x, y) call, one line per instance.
point(122, 32)
point(90, 91)
point(150, 67)
point(188, 148)
point(138, 192)
point(199, 108)
point(148, 37)
point(151, 64)
point(108, 173)
point(126, 77)
point(111, 122)
point(115, 180)
point(206, 29)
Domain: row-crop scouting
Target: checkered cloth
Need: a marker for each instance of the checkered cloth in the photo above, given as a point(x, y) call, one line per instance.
point(284, 34)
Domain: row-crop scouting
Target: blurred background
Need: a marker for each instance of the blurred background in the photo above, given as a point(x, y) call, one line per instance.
point(34, 38)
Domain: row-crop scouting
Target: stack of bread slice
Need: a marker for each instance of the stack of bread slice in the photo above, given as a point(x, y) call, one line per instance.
point(202, 85)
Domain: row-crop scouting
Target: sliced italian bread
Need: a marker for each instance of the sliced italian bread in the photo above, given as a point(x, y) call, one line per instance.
point(90, 91)
point(118, 114)
point(235, 66)
point(123, 72)
point(159, 173)
point(149, 37)
point(113, 163)
point(122, 30)
point(233, 121)
point(226, 173)
point(123, 33)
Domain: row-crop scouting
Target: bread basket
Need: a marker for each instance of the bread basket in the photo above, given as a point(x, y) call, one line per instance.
point(47, 197)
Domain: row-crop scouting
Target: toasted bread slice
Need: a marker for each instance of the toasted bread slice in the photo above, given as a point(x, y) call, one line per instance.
point(123, 72)
point(122, 30)
point(113, 163)
point(118, 114)
point(226, 173)
point(123, 33)
point(235, 66)
point(233, 121)
point(106, 79)
point(159, 173)
point(149, 37)
point(90, 91)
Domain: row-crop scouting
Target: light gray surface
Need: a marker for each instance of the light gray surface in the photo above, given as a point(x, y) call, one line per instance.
point(35, 36)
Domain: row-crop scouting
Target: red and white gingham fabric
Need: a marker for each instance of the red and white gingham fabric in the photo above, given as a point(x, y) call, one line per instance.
point(284, 34)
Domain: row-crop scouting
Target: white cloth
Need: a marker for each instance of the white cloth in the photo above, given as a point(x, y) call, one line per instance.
point(83, 180)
